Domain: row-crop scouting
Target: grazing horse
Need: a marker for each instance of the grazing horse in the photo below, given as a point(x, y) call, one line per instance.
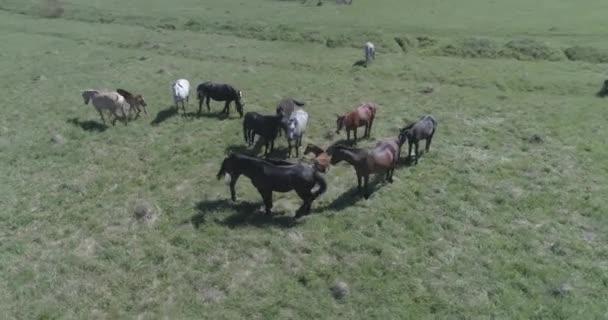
point(270, 176)
point(370, 53)
point(265, 126)
point(382, 157)
point(107, 101)
point(286, 106)
point(135, 101)
point(362, 116)
point(423, 129)
point(181, 93)
point(219, 92)
point(296, 127)
point(321, 158)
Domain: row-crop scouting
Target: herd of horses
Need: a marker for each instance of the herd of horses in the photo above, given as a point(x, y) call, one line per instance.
point(269, 174)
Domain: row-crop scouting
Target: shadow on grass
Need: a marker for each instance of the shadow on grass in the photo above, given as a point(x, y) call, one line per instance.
point(277, 153)
point(360, 63)
point(352, 196)
point(88, 125)
point(196, 115)
point(247, 214)
point(163, 115)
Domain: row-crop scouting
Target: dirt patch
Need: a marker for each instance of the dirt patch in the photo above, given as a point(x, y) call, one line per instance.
point(340, 290)
point(53, 9)
point(144, 212)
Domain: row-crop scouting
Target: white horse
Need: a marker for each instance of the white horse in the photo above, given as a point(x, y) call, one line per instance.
point(296, 127)
point(181, 93)
point(107, 101)
point(370, 53)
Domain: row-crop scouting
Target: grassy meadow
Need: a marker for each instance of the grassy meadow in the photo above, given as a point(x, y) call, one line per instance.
point(505, 217)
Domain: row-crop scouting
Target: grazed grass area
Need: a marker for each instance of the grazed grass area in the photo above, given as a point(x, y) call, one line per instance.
point(504, 218)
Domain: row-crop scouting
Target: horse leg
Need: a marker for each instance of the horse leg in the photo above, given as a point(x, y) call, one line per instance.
point(200, 104)
point(102, 118)
point(359, 178)
point(409, 151)
point(289, 148)
point(416, 149)
point(227, 108)
point(347, 135)
point(233, 180)
point(428, 143)
point(304, 209)
point(298, 144)
point(355, 135)
point(267, 197)
point(208, 107)
point(366, 186)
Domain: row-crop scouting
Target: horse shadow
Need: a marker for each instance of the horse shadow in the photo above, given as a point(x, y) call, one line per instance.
point(213, 115)
point(405, 161)
point(351, 196)
point(88, 125)
point(360, 63)
point(247, 214)
point(164, 114)
point(278, 152)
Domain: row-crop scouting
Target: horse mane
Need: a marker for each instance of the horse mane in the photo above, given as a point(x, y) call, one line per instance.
point(125, 93)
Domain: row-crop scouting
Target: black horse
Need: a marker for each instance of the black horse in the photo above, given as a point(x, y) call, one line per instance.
point(266, 126)
point(274, 176)
point(219, 92)
point(285, 107)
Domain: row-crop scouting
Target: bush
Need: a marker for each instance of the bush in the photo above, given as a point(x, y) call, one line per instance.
point(588, 54)
point(470, 48)
point(530, 49)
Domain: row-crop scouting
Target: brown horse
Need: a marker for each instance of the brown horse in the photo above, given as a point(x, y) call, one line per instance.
point(384, 156)
point(363, 115)
point(321, 158)
point(134, 100)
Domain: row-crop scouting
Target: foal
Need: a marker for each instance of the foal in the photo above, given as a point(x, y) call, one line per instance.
point(268, 177)
point(321, 158)
point(362, 116)
point(219, 92)
point(423, 129)
point(135, 101)
point(382, 157)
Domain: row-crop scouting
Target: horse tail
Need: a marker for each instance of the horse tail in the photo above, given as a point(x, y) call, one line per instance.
point(322, 184)
point(430, 117)
point(245, 135)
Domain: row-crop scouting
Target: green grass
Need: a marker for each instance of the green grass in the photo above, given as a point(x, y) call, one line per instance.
point(489, 224)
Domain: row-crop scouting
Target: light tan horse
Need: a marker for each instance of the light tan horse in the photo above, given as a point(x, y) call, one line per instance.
point(107, 101)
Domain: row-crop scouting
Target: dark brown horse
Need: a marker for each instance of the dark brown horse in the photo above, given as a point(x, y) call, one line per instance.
point(220, 92)
point(363, 115)
point(269, 176)
point(382, 157)
point(321, 157)
point(423, 129)
point(266, 126)
point(134, 100)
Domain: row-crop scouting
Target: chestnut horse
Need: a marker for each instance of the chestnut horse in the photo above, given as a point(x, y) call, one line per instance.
point(362, 116)
point(384, 156)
